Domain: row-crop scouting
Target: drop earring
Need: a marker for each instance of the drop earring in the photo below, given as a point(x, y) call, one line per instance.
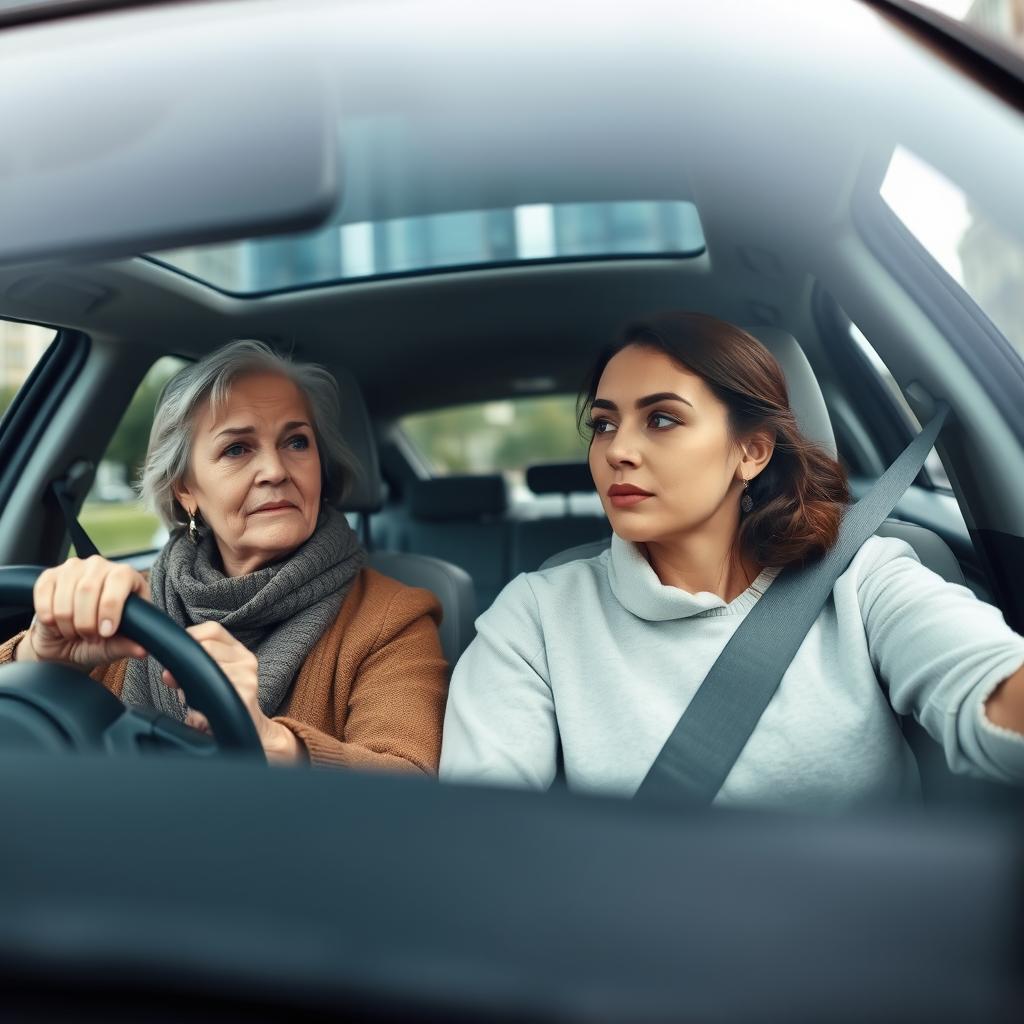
point(746, 502)
point(193, 530)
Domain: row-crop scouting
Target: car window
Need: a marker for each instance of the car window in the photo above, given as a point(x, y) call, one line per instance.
point(979, 254)
point(498, 437)
point(112, 514)
point(21, 347)
point(999, 20)
point(460, 238)
point(933, 467)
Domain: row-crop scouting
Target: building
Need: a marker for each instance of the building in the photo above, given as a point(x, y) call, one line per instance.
point(1003, 19)
point(21, 346)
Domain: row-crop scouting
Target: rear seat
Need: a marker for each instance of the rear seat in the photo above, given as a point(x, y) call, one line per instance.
point(465, 520)
point(535, 540)
point(461, 519)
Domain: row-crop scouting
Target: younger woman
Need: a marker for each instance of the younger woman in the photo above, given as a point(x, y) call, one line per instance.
point(711, 490)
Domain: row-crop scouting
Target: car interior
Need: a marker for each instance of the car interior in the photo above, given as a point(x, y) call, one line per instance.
point(439, 108)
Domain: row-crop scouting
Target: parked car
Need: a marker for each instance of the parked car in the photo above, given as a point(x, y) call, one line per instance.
point(453, 206)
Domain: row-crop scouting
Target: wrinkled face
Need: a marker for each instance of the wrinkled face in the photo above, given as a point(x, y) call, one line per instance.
point(660, 433)
point(254, 473)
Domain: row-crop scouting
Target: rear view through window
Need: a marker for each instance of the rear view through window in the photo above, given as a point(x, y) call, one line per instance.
point(498, 437)
point(21, 347)
point(112, 514)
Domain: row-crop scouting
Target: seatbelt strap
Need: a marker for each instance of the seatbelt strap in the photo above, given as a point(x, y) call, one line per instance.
point(715, 727)
point(84, 547)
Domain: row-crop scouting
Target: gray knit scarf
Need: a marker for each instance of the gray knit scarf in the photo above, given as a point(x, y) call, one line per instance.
point(278, 612)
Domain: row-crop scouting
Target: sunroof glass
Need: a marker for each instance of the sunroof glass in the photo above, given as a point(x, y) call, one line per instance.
point(409, 245)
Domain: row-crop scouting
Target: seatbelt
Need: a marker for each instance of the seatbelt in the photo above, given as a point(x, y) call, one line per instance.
point(64, 491)
point(714, 728)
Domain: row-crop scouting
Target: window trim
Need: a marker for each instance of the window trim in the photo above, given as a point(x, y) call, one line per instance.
point(892, 431)
point(462, 268)
point(977, 55)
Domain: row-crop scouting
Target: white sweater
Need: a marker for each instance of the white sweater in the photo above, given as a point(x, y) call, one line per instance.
point(600, 655)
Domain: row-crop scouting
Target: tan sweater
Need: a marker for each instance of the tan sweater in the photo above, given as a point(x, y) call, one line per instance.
point(371, 693)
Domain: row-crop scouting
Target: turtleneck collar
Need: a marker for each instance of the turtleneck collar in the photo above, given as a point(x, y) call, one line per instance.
point(637, 588)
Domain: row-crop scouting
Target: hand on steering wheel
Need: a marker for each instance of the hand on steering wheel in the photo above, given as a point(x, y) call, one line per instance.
point(50, 704)
point(78, 608)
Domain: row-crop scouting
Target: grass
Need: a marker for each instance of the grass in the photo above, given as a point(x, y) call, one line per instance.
point(119, 529)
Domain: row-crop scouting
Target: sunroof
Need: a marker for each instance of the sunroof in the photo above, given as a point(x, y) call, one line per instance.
point(443, 241)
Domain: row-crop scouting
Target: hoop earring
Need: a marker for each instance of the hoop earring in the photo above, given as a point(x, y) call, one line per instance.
point(746, 502)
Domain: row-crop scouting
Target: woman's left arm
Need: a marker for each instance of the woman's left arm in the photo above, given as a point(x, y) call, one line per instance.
point(1005, 707)
point(946, 658)
point(396, 701)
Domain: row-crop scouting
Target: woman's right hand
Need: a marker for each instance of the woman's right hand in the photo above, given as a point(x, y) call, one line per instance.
point(78, 609)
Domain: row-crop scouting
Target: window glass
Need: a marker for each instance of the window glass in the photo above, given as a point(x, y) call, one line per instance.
point(1002, 20)
point(112, 514)
point(982, 258)
point(21, 347)
point(498, 437)
point(933, 467)
point(438, 240)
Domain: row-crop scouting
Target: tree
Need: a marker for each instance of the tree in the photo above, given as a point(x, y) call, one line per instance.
point(130, 440)
point(7, 394)
point(544, 430)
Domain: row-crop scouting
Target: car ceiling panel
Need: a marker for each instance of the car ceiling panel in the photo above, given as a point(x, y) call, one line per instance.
point(759, 112)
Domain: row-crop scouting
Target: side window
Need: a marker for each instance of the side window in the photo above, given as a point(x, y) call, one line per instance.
point(113, 515)
point(21, 347)
point(979, 253)
point(499, 437)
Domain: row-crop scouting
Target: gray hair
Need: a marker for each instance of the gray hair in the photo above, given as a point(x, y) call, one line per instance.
point(170, 440)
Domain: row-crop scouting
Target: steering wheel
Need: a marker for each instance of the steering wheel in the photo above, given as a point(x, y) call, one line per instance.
point(50, 706)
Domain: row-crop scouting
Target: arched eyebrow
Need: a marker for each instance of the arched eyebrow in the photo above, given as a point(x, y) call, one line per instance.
point(661, 396)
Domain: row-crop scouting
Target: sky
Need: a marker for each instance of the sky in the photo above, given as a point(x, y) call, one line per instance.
point(954, 8)
point(930, 205)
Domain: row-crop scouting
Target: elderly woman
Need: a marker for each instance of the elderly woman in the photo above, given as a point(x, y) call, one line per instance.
point(337, 664)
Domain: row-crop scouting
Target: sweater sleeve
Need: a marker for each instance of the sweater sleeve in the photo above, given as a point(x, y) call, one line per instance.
point(7, 648)
point(941, 652)
point(500, 724)
point(396, 701)
point(111, 676)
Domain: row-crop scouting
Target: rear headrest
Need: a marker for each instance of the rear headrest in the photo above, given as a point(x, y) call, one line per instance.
point(366, 493)
point(559, 478)
point(486, 495)
point(805, 395)
point(458, 497)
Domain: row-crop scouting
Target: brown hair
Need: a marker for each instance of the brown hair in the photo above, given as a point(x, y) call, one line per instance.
point(800, 495)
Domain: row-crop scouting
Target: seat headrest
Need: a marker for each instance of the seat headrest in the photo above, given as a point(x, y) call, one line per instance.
point(805, 395)
point(366, 493)
point(458, 497)
point(559, 478)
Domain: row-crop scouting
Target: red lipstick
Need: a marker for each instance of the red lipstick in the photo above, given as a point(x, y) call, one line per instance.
point(627, 495)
